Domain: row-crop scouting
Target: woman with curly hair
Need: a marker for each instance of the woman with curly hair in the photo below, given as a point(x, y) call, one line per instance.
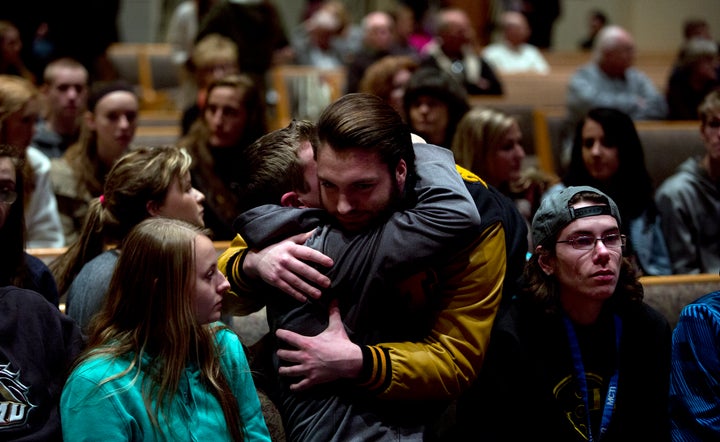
point(387, 79)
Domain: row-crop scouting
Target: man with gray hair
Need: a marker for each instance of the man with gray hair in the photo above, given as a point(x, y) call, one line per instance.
point(455, 50)
point(610, 80)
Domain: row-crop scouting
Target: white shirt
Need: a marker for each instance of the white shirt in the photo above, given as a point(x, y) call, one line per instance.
point(506, 60)
point(42, 219)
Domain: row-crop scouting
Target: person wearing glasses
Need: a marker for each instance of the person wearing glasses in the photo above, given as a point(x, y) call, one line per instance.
point(689, 200)
point(17, 267)
point(607, 154)
point(578, 355)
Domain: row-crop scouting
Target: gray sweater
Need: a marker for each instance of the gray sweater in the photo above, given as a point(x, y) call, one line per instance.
point(689, 204)
point(87, 291)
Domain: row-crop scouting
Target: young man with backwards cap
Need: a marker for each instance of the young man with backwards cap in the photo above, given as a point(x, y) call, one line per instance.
point(577, 337)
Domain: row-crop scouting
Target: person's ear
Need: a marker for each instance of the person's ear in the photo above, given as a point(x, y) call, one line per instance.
point(401, 173)
point(153, 208)
point(545, 260)
point(291, 199)
point(90, 120)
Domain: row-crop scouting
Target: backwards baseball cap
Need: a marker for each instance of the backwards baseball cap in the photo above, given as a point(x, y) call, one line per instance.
point(555, 212)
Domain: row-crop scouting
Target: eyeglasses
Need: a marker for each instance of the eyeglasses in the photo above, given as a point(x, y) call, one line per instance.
point(7, 196)
point(587, 242)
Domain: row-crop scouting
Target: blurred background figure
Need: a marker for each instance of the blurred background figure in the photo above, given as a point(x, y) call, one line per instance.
point(410, 18)
point(85, 37)
point(19, 110)
point(11, 62)
point(696, 28)
point(347, 40)
point(388, 77)
point(17, 267)
point(434, 103)
point(541, 16)
point(64, 92)
point(181, 32)
point(488, 143)
point(512, 54)
point(109, 125)
point(695, 75)
point(314, 41)
point(231, 119)
point(213, 57)
point(610, 80)
point(255, 26)
point(455, 50)
point(596, 20)
point(379, 39)
point(183, 27)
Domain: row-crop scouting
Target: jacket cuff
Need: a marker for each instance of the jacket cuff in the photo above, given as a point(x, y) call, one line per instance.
point(376, 372)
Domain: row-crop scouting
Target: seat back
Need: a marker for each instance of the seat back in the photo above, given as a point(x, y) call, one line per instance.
point(150, 68)
point(667, 144)
point(669, 294)
point(303, 92)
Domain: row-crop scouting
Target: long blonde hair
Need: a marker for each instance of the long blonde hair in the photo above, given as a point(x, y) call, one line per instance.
point(478, 134)
point(151, 314)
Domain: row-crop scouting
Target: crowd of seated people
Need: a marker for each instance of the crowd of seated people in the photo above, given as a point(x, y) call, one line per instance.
point(434, 77)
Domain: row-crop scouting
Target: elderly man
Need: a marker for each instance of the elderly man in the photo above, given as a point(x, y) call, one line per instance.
point(609, 80)
point(512, 54)
point(455, 51)
point(379, 40)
